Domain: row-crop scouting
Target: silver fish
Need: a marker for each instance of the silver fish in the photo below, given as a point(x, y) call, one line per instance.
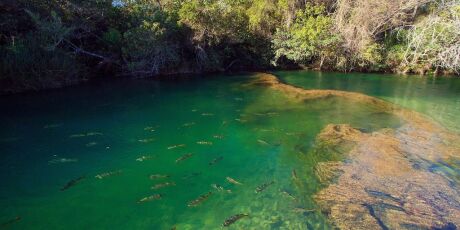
point(294, 175)
point(146, 140)
point(149, 128)
point(158, 176)
point(176, 146)
point(217, 187)
point(229, 221)
point(184, 157)
point(199, 200)
point(218, 136)
point(302, 210)
point(107, 174)
point(233, 181)
point(162, 185)
point(91, 144)
point(186, 177)
point(263, 142)
point(51, 126)
point(288, 194)
point(188, 124)
point(264, 186)
point(150, 198)
point(144, 158)
point(215, 160)
point(62, 160)
point(204, 142)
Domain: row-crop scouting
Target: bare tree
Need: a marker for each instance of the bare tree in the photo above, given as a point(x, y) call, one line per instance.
point(435, 40)
point(360, 22)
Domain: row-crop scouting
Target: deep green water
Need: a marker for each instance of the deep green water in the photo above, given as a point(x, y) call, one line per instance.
point(260, 135)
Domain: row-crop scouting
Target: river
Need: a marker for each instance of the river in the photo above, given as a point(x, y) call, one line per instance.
point(136, 154)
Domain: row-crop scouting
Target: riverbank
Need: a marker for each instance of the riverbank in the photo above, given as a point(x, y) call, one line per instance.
point(8, 87)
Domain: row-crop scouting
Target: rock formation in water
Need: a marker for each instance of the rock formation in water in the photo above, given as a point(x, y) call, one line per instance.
point(402, 178)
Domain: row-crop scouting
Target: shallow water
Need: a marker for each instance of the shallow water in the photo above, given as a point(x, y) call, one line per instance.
point(258, 134)
point(437, 97)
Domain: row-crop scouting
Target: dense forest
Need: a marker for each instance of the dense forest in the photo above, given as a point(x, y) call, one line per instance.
point(52, 43)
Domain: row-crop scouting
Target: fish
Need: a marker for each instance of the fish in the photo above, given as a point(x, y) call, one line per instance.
point(217, 187)
point(229, 221)
point(199, 200)
point(233, 181)
point(150, 198)
point(292, 133)
point(184, 157)
point(62, 160)
point(288, 194)
point(86, 134)
point(188, 124)
point(94, 134)
point(264, 186)
point(144, 158)
point(158, 176)
point(51, 126)
point(218, 136)
point(10, 222)
point(207, 114)
point(162, 185)
point(72, 183)
point(204, 142)
point(149, 128)
point(146, 140)
point(107, 174)
point(176, 146)
point(294, 175)
point(186, 177)
point(215, 160)
point(91, 144)
point(263, 142)
point(302, 210)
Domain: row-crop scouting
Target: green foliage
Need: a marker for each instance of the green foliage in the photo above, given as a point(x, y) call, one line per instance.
point(265, 15)
point(309, 37)
point(26, 65)
point(112, 37)
point(53, 42)
point(215, 21)
point(148, 49)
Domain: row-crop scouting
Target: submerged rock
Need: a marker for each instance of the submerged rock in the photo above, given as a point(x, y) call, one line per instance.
point(377, 187)
point(384, 179)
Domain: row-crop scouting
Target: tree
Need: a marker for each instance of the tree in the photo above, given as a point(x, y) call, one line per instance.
point(434, 42)
point(308, 38)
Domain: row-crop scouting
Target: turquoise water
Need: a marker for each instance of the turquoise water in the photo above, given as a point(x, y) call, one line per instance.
point(138, 128)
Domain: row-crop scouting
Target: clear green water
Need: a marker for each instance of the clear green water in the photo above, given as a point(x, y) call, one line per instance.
point(261, 135)
point(437, 97)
